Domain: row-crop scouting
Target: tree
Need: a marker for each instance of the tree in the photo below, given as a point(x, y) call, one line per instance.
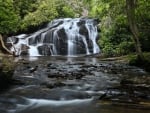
point(23, 7)
point(116, 28)
point(130, 4)
point(3, 45)
point(64, 9)
point(46, 11)
point(9, 20)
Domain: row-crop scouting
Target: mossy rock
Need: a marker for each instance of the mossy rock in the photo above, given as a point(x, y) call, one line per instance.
point(7, 67)
point(142, 63)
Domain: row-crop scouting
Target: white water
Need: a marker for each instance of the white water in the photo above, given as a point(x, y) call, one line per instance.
point(33, 51)
point(93, 35)
point(86, 45)
point(60, 37)
point(35, 103)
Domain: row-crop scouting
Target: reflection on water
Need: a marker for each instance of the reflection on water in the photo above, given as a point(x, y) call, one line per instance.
point(57, 58)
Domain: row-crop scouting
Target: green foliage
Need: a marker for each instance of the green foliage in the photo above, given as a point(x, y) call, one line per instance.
point(64, 9)
point(46, 11)
point(143, 20)
point(18, 15)
point(143, 63)
point(115, 36)
point(23, 7)
point(9, 19)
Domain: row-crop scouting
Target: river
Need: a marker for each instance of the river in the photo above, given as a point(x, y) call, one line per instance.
point(76, 85)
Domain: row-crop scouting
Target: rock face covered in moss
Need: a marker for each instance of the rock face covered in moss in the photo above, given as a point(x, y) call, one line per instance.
point(6, 72)
point(142, 63)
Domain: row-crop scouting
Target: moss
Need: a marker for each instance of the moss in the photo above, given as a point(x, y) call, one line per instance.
point(7, 67)
point(8, 64)
point(147, 56)
point(131, 59)
point(143, 63)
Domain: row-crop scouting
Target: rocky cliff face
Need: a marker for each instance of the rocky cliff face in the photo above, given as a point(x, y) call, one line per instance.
point(60, 37)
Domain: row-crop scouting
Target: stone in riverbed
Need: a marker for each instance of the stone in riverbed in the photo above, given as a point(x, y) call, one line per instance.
point(54, 85)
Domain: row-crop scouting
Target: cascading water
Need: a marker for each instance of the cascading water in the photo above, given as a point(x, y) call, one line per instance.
point(60, 37)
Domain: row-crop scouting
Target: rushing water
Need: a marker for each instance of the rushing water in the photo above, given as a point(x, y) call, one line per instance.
point(76, 85)
point(61, 37)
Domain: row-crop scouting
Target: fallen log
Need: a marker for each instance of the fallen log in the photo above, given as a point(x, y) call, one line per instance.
point(6, 49)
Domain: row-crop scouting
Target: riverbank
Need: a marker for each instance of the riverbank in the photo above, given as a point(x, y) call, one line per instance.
point(132, 60)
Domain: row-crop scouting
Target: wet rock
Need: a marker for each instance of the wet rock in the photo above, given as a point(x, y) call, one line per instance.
point(59, 35)
point(79, 76)
point(54, 85)
point(84, 70)
point(45, 50)
point(49, 64)
point(102, 96)
point(33, 69)
point(24, 49)
point(77, 79)
point(125, 82)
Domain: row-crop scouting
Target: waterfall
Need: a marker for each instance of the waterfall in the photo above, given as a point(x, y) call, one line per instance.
point(92, 35)
point(61, 37)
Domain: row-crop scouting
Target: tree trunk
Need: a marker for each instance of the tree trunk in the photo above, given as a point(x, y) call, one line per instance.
point(3, 45)
point(130, 4)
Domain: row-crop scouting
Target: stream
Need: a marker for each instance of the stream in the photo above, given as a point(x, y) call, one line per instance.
point(59, 84)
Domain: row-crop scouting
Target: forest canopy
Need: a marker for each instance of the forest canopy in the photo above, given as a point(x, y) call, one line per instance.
point(18, 16)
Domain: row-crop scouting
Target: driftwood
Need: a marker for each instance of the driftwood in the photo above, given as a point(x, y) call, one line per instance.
point(15, 51)
point(4, 47)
